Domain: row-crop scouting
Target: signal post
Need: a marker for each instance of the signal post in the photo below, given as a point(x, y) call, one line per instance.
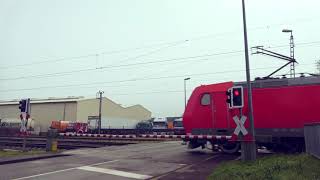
point(24, 106)
point(235, 100)
point(248, 152)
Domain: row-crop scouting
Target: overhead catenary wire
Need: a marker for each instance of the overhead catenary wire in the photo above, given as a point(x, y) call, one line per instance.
point(148, 92)
point(137, 79)
point(124, 94)
point(153, 51)
point(119, 66)
point(169, 44)
point(97, 54)
point(47, 75)
point(145, 76)
point(147, 46)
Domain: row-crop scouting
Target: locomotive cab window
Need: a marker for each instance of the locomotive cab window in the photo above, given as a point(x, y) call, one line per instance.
point(205, 99)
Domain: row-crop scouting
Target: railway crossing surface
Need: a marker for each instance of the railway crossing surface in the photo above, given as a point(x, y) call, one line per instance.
point(164, 160)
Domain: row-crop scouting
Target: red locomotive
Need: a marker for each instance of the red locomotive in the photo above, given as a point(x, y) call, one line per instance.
point(281, 107)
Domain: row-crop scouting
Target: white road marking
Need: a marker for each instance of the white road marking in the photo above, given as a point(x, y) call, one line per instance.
point(115, 172)
point(63, 170)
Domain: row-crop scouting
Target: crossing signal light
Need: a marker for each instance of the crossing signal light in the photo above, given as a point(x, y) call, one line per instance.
point(24, 105)
point(236, 93)
point(235, 97)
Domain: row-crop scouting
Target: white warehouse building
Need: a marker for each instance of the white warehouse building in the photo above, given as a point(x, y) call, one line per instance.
point(44, 111)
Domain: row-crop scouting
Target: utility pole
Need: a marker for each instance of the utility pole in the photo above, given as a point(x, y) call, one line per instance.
point(100, 107)
point(248, 149)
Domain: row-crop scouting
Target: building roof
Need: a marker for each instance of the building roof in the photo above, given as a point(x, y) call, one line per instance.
point(69, 99)
point(49, 100)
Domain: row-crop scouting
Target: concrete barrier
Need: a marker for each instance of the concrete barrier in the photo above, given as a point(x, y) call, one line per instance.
point(312, 138)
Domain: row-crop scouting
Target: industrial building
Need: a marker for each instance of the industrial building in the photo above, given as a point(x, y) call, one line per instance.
point(44, 111)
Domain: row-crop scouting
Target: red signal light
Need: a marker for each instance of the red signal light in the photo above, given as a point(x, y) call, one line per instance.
point(236, 93)
point(236, 98)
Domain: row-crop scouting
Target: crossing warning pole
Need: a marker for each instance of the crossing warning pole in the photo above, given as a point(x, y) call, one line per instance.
point(248, 148)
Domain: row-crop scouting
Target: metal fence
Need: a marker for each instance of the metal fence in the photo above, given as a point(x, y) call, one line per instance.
point(312, 139)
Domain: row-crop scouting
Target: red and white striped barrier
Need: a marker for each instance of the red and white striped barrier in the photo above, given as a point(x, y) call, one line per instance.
point(97, 135)
point(208, 137)
point(187, 136)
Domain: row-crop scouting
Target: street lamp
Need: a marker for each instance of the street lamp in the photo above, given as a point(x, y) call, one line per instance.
point(292, 68)
point(185, 92)
point(287, 30)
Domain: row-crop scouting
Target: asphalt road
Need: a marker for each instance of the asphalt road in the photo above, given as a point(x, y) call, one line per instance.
point(164, 160)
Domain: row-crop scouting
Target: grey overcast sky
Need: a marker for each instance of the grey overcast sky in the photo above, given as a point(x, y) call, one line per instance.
point(139, 51)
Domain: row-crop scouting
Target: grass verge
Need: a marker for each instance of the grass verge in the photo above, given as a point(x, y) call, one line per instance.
point(287, 167)
point(11, 153)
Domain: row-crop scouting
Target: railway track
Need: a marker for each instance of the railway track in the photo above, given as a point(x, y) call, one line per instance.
point(70, 142)
point(73, 141)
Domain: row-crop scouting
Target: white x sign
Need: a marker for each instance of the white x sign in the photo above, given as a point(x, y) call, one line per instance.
point(23, 127)
point(240, 125)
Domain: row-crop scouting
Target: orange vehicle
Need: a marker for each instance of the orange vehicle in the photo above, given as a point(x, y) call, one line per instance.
point(68, 126)
point(170, 125)
point(61, 126)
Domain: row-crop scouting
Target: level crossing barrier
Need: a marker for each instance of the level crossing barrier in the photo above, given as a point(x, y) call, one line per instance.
point(208, 137)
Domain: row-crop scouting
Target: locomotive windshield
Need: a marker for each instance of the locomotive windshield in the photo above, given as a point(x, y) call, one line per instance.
point(205, 100)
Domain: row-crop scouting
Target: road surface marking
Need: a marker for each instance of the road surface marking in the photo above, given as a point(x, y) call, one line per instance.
point(115, 172)
point(63, 170)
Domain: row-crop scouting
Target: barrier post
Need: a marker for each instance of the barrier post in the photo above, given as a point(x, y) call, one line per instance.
point(24, 143)
point(52, 143)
